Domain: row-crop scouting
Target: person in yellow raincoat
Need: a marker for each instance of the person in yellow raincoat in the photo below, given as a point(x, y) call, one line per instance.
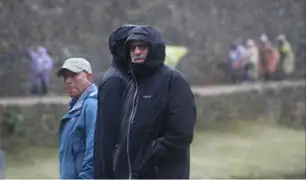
point(174, 55)
point(287, 59)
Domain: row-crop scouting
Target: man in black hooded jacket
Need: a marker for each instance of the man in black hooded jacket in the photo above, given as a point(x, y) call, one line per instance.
point(110, 94)
point(159, 114)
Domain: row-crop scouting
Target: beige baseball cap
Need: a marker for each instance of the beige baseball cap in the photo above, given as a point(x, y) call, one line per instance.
point(75, 65)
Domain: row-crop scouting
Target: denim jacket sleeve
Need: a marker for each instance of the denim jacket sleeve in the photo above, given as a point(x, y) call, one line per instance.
point(90, 112)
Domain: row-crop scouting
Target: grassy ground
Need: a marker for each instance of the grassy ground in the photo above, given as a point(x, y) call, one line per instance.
point(241, 149)
point(248, 150)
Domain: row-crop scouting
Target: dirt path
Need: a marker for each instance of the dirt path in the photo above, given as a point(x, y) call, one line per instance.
point(200, 90)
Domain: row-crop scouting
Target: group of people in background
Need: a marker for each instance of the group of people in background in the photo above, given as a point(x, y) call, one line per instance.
point(253, 61)
point(249, 61)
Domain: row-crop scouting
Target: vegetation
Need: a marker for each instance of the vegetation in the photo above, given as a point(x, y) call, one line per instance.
point(231, 150)
point(12, 117)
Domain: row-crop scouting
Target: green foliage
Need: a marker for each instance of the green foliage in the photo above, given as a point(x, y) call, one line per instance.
point(12, 117)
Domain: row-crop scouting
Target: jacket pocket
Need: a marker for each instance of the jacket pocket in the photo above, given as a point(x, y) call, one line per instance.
point(78, 151)
point(147, 167)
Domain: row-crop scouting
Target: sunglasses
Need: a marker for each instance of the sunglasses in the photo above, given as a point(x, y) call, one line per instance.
point(141, 46)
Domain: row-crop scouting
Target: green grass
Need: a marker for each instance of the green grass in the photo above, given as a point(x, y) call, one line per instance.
point(36, 162)
point(242, 149)
point(248, 150)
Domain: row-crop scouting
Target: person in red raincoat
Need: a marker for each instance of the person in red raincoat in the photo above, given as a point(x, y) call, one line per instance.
point(268, 58)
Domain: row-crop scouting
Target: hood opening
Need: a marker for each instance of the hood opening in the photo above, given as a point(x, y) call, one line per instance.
point(157, 50)
point(116, 45)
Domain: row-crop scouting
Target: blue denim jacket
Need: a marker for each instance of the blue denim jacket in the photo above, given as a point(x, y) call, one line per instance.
point(76, 136)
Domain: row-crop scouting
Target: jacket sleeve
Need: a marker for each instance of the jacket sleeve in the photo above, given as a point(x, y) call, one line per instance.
point(108, 126)
point(90, 112)
point(98, 162)
point(180, 120)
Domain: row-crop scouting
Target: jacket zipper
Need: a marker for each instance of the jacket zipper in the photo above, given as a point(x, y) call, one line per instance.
point(131, 119)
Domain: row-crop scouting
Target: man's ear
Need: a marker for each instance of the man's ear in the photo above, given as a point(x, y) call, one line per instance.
point(89, 76)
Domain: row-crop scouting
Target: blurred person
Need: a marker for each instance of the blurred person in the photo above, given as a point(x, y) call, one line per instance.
point(241, 49)
point(234, 57)
point(287, 59)
point(110, 102)
point(159, 114)
point(41, 68)
point(78, 124)
point(268, 58)
point(250, 58)
point(241, 63)
point(236, 54)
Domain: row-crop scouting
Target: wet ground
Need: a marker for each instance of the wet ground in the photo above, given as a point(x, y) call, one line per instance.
point(242, 149)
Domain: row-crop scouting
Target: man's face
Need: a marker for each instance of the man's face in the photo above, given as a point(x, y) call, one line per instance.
point(248, 46)
point(76, 83)
point(263, 43)
point(36, 48)
point(280, 43)
point(138, 51)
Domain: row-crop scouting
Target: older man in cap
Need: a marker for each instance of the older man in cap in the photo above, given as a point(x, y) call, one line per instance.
point(77, 125)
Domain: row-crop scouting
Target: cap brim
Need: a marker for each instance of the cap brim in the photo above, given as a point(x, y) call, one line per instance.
point(139, 37)
point(62, 70)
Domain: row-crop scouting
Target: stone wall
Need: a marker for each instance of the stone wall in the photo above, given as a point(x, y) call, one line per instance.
point(36, 121)
point(81, 28)
point(277, 103)
point(31, 125)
